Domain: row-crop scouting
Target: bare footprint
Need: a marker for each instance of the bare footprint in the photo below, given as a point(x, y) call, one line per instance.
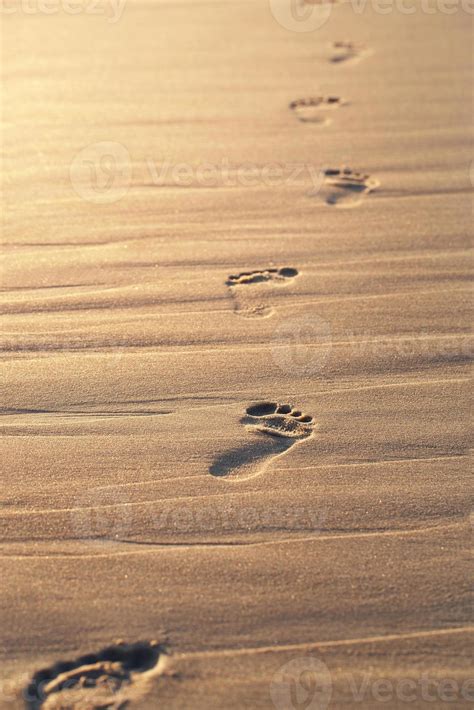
point(250, 290)
point(98, 680)
point(278, 426)
point(347, 52)
point(344, 187)
point(316, 108)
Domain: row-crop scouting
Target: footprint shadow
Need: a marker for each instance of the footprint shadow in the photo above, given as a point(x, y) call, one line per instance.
point(277, 427)
point(244, 457)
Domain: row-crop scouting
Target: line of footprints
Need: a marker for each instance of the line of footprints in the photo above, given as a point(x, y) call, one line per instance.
point(280, 426)
point(339, 187)
point(110, 677)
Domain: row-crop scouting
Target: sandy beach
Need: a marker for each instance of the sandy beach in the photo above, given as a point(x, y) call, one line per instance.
point(236, 356)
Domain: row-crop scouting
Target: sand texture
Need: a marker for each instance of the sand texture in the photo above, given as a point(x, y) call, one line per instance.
point(235, 392)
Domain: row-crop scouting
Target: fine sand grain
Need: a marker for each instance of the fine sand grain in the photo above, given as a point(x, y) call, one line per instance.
point(236, 358)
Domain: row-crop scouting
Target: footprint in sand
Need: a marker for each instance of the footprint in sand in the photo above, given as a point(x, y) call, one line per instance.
point(347, 52)
point(315, 109)
point(344, 187)
point(278, 427)
point(250, 290)
point(98, 680)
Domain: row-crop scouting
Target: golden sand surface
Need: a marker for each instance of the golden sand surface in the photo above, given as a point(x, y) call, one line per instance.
point(236, 326)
